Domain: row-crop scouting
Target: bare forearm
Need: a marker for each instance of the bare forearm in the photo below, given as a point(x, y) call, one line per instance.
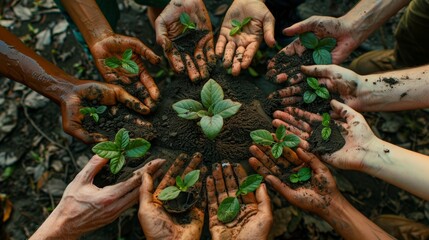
point(52, 228)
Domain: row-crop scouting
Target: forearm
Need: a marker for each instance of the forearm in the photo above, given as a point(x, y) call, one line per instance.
point(52, 228)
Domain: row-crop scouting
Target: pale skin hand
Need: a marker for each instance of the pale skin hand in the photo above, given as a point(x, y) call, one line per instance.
point(255, 218)
point(85, 207)
point(238, 50)
point(168, 27)
point(155, 221)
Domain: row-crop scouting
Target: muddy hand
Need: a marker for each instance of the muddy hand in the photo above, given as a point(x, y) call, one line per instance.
point(103, 94)
point(168, 27)
point(155, 221)
point(238, 50)
point(255, 218)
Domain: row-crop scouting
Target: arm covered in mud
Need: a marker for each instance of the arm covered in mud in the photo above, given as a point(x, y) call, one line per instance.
point(23, 65)
point(321, 197)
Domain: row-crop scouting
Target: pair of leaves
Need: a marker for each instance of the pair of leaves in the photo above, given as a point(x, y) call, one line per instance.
point(185, 20)
point(230, 206)
point(93, 112)
point(182, 185)
point(121, 147)
point(310, 96)
point(322, 48)
point(303, 174)
point(238, 26)
point(125, 63)
point(264, 137)
point(326, 130)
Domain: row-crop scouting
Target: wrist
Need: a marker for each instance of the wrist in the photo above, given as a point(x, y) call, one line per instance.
point(54, 228)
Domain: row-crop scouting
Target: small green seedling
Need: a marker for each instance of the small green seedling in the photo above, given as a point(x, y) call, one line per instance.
point(326, 130)
point(265, 138)
point(230, 207)
point(237, 25)
point(122, 147)
point(93, 112)
point(303, 174)
point(182, 185)
point(322, 47)
point(310, 95)
point(185, 20)
point(213, 110)
point(125, 63)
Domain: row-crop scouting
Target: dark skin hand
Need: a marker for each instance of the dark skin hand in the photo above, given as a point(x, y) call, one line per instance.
point(168, 27)
point(155, 221)
point(255, 218)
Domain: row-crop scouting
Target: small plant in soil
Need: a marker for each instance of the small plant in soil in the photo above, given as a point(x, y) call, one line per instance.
point(122, 147)
point(303, 175)
point(317, 90)
point(322, 47)
point(326, 130)
point(126, 63)
point(264, 137)
point(93, 112)
point(185, 20)
point(237, 25)
point(182, 185)
point(213, 110)
point(230, 207)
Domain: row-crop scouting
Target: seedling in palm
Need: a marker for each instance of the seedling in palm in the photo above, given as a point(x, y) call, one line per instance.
point(264, 137)
point(185, 20)
point(317, 90)
point(125, 63)
point(322, 47)
point(303, 175)
point(93, 112)
point(182, 185)
point(238, 26)
point(326, 130)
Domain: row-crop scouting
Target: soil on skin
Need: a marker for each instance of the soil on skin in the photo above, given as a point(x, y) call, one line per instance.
point(285, 177)
point(182, 203)
point(333, 144)
point(186, 42)
point(291, 65)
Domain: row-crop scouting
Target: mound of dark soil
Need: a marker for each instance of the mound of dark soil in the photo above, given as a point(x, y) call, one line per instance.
point(333, 144)
point(291, 65)
point(186, 42)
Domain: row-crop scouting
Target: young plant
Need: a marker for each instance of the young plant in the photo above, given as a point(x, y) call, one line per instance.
point(237, 25)
point(322, 47)
point(326, 130)
point(93, 112)
point(122, 147)
point(303, 174)
point(182, 185)
point(264, 137)
point(230, 207)
point(213, 110)
point(125, 63)
point(310, 95)
point(185, 20)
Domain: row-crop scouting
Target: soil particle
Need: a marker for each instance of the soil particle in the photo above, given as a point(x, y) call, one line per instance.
point(390, 81)
point(333, 144)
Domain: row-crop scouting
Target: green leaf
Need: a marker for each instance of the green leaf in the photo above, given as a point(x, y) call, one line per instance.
point(250, 184)
point(327, 43)
point(112, 62)
point(117, 163)
point(291, 141)
point(313, 83)
point(137, 148)
point(185, 19)
point(309, 97)
point(226, 108)
point(185, 28)
point(262, 137)
point(127, 54)
point(246, 21)
point(211, 93)
point(323, 93)
point(253, 72)
point(277, 150)
point(130, 66)
point(87, 110)
point(235, 23)
point(322, 56)
point(191, 178)
point(180, 183)
point(202, 113)
point(211, 126)
point(122, 138)
point(304, 174)
point(326, 119)
point(280, 132)
point(309, 40)
point(326, 133)
point(106, 149)
point(188, 108)
point(228, 209)
point(94, 116)
point(192, 26)
point(101, 109)
point(294, 178)
point(169, 193)
point(234, 31)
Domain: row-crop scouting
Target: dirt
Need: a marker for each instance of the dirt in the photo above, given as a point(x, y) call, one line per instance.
point(181, 204)
point(291, 65)
point(186, 42)
point(333, 144)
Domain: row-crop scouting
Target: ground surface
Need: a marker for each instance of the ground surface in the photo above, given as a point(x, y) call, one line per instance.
point(37, 159)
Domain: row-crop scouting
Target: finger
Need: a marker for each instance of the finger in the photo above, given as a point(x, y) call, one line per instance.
point(229, 54)
point(146, 189)
point(259, 167)
point(87, 174)
point(289, 91)
point(149, 84)
point(288, 101)
point(316, 70)
point(300, 27)
point(229, 178)
point(219, 182)
point(220, 45)
point(248, 54)
point(152, 166)
point(170, 177)
point(110, 74)
point(193, 72)
point(161, 32)
point(238, 57)
point(291, 120)
point(315, 164)
point(281, 161)
point(291, 156)
point(346, 112)
point(200, 58)
point(175, 60)
point(268, 25)
point(210, 52)
point(264, 159)
point(308, 117)
point(130, 101)
point(211, 197)
point(280, 187)
point(263, 200)
point(121, 189)
point(120, 205)
point(195, 161)
point(241, 176)
point(75, 129)
point(144, 51)
point(291, 129)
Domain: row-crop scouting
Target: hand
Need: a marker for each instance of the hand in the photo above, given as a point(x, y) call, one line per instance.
point(85, 207)
point(104, 94)
point(255, 218)
point(355, 130)
point(155, 221)
point(238, 50)
point(168, 27)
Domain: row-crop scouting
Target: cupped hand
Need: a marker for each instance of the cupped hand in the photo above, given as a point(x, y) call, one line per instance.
point(155, 221)
point(255, 218)
point(238, 50)
point(168, 28)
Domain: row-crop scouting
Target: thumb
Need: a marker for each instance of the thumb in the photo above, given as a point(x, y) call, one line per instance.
point(263, 199)
point(161, 32)
point(146, 189)
point(316, 70)
point(268, 26)
point(91, 169)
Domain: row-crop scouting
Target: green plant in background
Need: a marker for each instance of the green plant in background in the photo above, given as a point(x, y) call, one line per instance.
point(122, 147)
point(93, 112)
point(303, 174)
point(322, 47)
point(264, 137)
point(237, 25)
point(230, 207)
point(182, 185)
point(213, 110)
point(326, 130)
point(125, 63)
point(317, 90)
point(185, 20)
